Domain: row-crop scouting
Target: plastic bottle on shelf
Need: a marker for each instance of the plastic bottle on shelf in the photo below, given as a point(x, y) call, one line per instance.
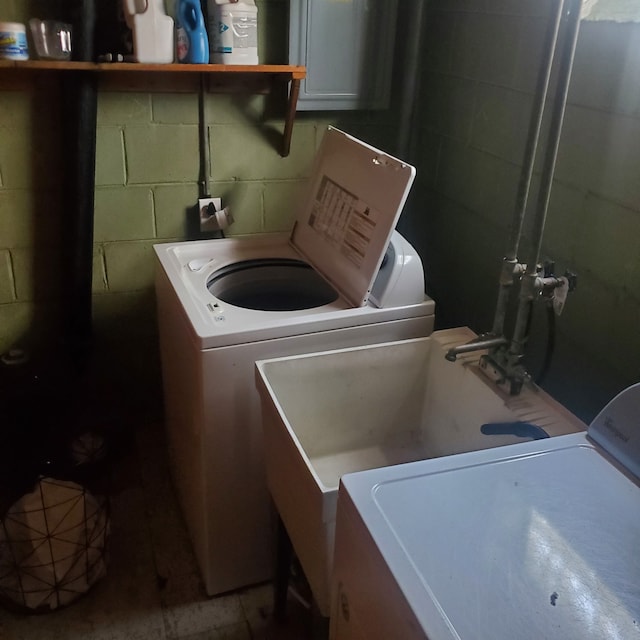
point(13, 41)
point(192, 43)
point(233, 32)
point(152, 30)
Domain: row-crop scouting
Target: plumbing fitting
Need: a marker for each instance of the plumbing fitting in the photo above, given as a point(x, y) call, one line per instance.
point(484, 341)
point(505, 369)
point(533, 285)
point(500, 365)
point(556, 288)
point(511, 270)
point(504, 364)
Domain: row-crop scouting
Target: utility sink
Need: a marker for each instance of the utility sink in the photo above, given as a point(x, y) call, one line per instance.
point(331, 413)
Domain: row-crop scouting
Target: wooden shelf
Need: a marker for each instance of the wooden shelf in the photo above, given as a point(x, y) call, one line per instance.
point(291, 71)
point(133, 76)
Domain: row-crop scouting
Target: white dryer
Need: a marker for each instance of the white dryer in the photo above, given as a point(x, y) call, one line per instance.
point(532, 540)
point(342, 278)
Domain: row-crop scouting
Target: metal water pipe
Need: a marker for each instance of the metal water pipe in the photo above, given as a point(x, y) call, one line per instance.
point(511, 269)
point(532, 283)
point(502, 362)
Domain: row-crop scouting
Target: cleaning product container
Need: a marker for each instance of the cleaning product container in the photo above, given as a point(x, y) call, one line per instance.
point(152, 29)
point(336, 412)
point(13, 41)
point(192, 43)
point(233, 32)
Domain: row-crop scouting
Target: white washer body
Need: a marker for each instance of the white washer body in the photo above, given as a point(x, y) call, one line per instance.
point(208, 351)
point(533, 540)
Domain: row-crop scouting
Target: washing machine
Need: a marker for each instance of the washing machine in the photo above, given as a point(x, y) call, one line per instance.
point(532, 540)
point(342, 278)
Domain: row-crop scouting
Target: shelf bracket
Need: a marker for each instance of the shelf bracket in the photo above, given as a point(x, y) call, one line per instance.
point(294, 91)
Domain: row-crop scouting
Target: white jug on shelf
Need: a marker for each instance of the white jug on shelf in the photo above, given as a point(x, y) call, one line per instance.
point(233, 32)
point(152, 30)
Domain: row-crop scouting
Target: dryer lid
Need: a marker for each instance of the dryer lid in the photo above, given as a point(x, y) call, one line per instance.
point(616, 428)
point(353, 201)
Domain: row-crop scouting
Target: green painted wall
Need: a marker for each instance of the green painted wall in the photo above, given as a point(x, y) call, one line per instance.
point(479, 68)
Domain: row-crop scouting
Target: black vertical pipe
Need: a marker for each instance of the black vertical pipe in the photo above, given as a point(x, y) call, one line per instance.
point(203, 135)
point(80, 119)
point(84, 25)
point(410, 89)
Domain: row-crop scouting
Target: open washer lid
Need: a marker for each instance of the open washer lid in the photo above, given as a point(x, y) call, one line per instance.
point(353, 201)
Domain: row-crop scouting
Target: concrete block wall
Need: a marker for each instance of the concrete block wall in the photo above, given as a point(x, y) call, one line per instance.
point(481, 62)
point(30, 205)
point(147, 170)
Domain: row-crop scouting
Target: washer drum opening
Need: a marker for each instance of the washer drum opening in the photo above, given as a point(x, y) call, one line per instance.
point(272, 284)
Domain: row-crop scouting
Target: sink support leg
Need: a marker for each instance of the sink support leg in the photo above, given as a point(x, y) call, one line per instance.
point(284, 556)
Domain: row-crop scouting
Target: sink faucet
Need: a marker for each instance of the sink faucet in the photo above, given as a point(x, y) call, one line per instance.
point(500, 364)
point(484, 341)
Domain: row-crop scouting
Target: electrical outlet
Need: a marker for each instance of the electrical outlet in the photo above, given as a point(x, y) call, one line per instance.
point(203, 207)
point(219, 221)
point(212, 216)
point(208, 208)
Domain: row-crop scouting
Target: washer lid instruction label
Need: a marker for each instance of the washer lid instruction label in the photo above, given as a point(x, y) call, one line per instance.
point(343, 219)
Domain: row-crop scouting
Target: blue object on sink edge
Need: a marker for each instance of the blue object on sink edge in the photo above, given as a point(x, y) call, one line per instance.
point(519, 429)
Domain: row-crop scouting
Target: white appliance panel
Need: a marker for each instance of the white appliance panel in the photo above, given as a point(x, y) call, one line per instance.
point(535, 540)
point(209, 347)
point(218, 324)
point(215, 435)
point(353, 201)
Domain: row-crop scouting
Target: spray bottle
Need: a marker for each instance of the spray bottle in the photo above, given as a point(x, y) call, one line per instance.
point(192, 43)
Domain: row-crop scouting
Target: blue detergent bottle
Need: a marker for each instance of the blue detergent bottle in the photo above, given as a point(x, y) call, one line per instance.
point(192, 43)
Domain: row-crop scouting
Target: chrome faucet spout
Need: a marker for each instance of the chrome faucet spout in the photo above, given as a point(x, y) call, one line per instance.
point(484, 341)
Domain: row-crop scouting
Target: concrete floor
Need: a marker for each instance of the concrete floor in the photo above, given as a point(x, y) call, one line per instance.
point(152, 589)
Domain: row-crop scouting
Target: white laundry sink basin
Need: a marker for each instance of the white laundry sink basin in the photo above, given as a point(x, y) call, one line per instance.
point(337, 412)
